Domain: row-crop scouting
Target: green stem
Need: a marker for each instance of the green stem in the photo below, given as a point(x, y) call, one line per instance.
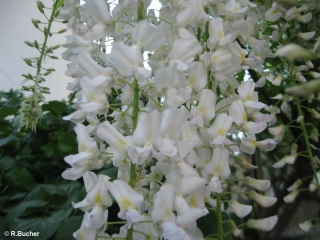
point(141, 11)
point(219, 217)
point(55, 7)
point(205, 39)
point(306, 139)
point(135, 112)
point(130, 234)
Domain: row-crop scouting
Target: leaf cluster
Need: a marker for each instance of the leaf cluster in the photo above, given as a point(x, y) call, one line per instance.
point(33, 195)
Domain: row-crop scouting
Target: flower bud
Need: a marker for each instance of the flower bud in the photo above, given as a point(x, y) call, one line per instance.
point(291, 196)
point(260, 185)
point(265, 224)
point(312, 187)
point(295, 185)
point(262, 200)
point(305, 226)
point(294, 52)
point(305, 89)
point(306, 36)
point(239, 209)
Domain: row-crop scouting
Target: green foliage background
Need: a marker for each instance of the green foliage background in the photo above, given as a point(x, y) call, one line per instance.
point(33, 195)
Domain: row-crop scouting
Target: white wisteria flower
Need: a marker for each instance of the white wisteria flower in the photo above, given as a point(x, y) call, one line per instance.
point(127, 198)
point(88, 157)
point(173, 96)
point(114, 138)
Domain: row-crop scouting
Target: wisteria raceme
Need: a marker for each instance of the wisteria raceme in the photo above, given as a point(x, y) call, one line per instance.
point(159, 99)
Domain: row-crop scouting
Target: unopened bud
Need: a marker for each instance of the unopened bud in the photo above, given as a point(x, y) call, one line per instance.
point(295, 185)
point(260, 185)
point(28, 61)
point(40, 6)
point(55, 47)
point(264, 201)
point(291, 196)
point(35, 23)
point(305, 89)
point(45, 31)
point(36, 44)
point(312, 187)
point(316, 48)
point(315, 114)
point(300, 119)
point(294, 52)
point(239, 209)
point(28, 43)
point(62, 31)
point(265, 224)
point(305, 226)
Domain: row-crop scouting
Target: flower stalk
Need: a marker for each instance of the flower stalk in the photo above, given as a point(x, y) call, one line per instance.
point(307, 142)
point(219, 217)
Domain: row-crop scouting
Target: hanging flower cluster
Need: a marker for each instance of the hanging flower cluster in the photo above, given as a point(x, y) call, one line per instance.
point(161, 96)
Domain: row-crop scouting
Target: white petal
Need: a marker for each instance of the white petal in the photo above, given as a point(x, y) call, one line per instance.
point(214, 185)
point(188, 219)
point(261, 185)
point(264, 201)
point(190, 184)
point(133, 217)
point(73, 173)
point(305, 226)
point(96, 218)
point(167, 147)
point(254, 127)
point(140, 155)
point(265, 224)
point(170, 230)
point(279, 164)
point(239, 209)
point(291, 196)
point(238, 113)
point(125, 58)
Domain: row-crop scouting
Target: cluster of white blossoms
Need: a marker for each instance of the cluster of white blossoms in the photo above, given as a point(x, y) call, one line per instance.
point(160, 97)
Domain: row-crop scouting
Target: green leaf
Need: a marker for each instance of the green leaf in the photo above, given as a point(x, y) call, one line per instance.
point(240, 76)
point(209, 226)
point(55, 193)
point(6, 140)
point(7, 162)
point(55, 106)
point(46, 226)
point(68, 227)
point(20, 209)
point(20, 178)
point(112, 172)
